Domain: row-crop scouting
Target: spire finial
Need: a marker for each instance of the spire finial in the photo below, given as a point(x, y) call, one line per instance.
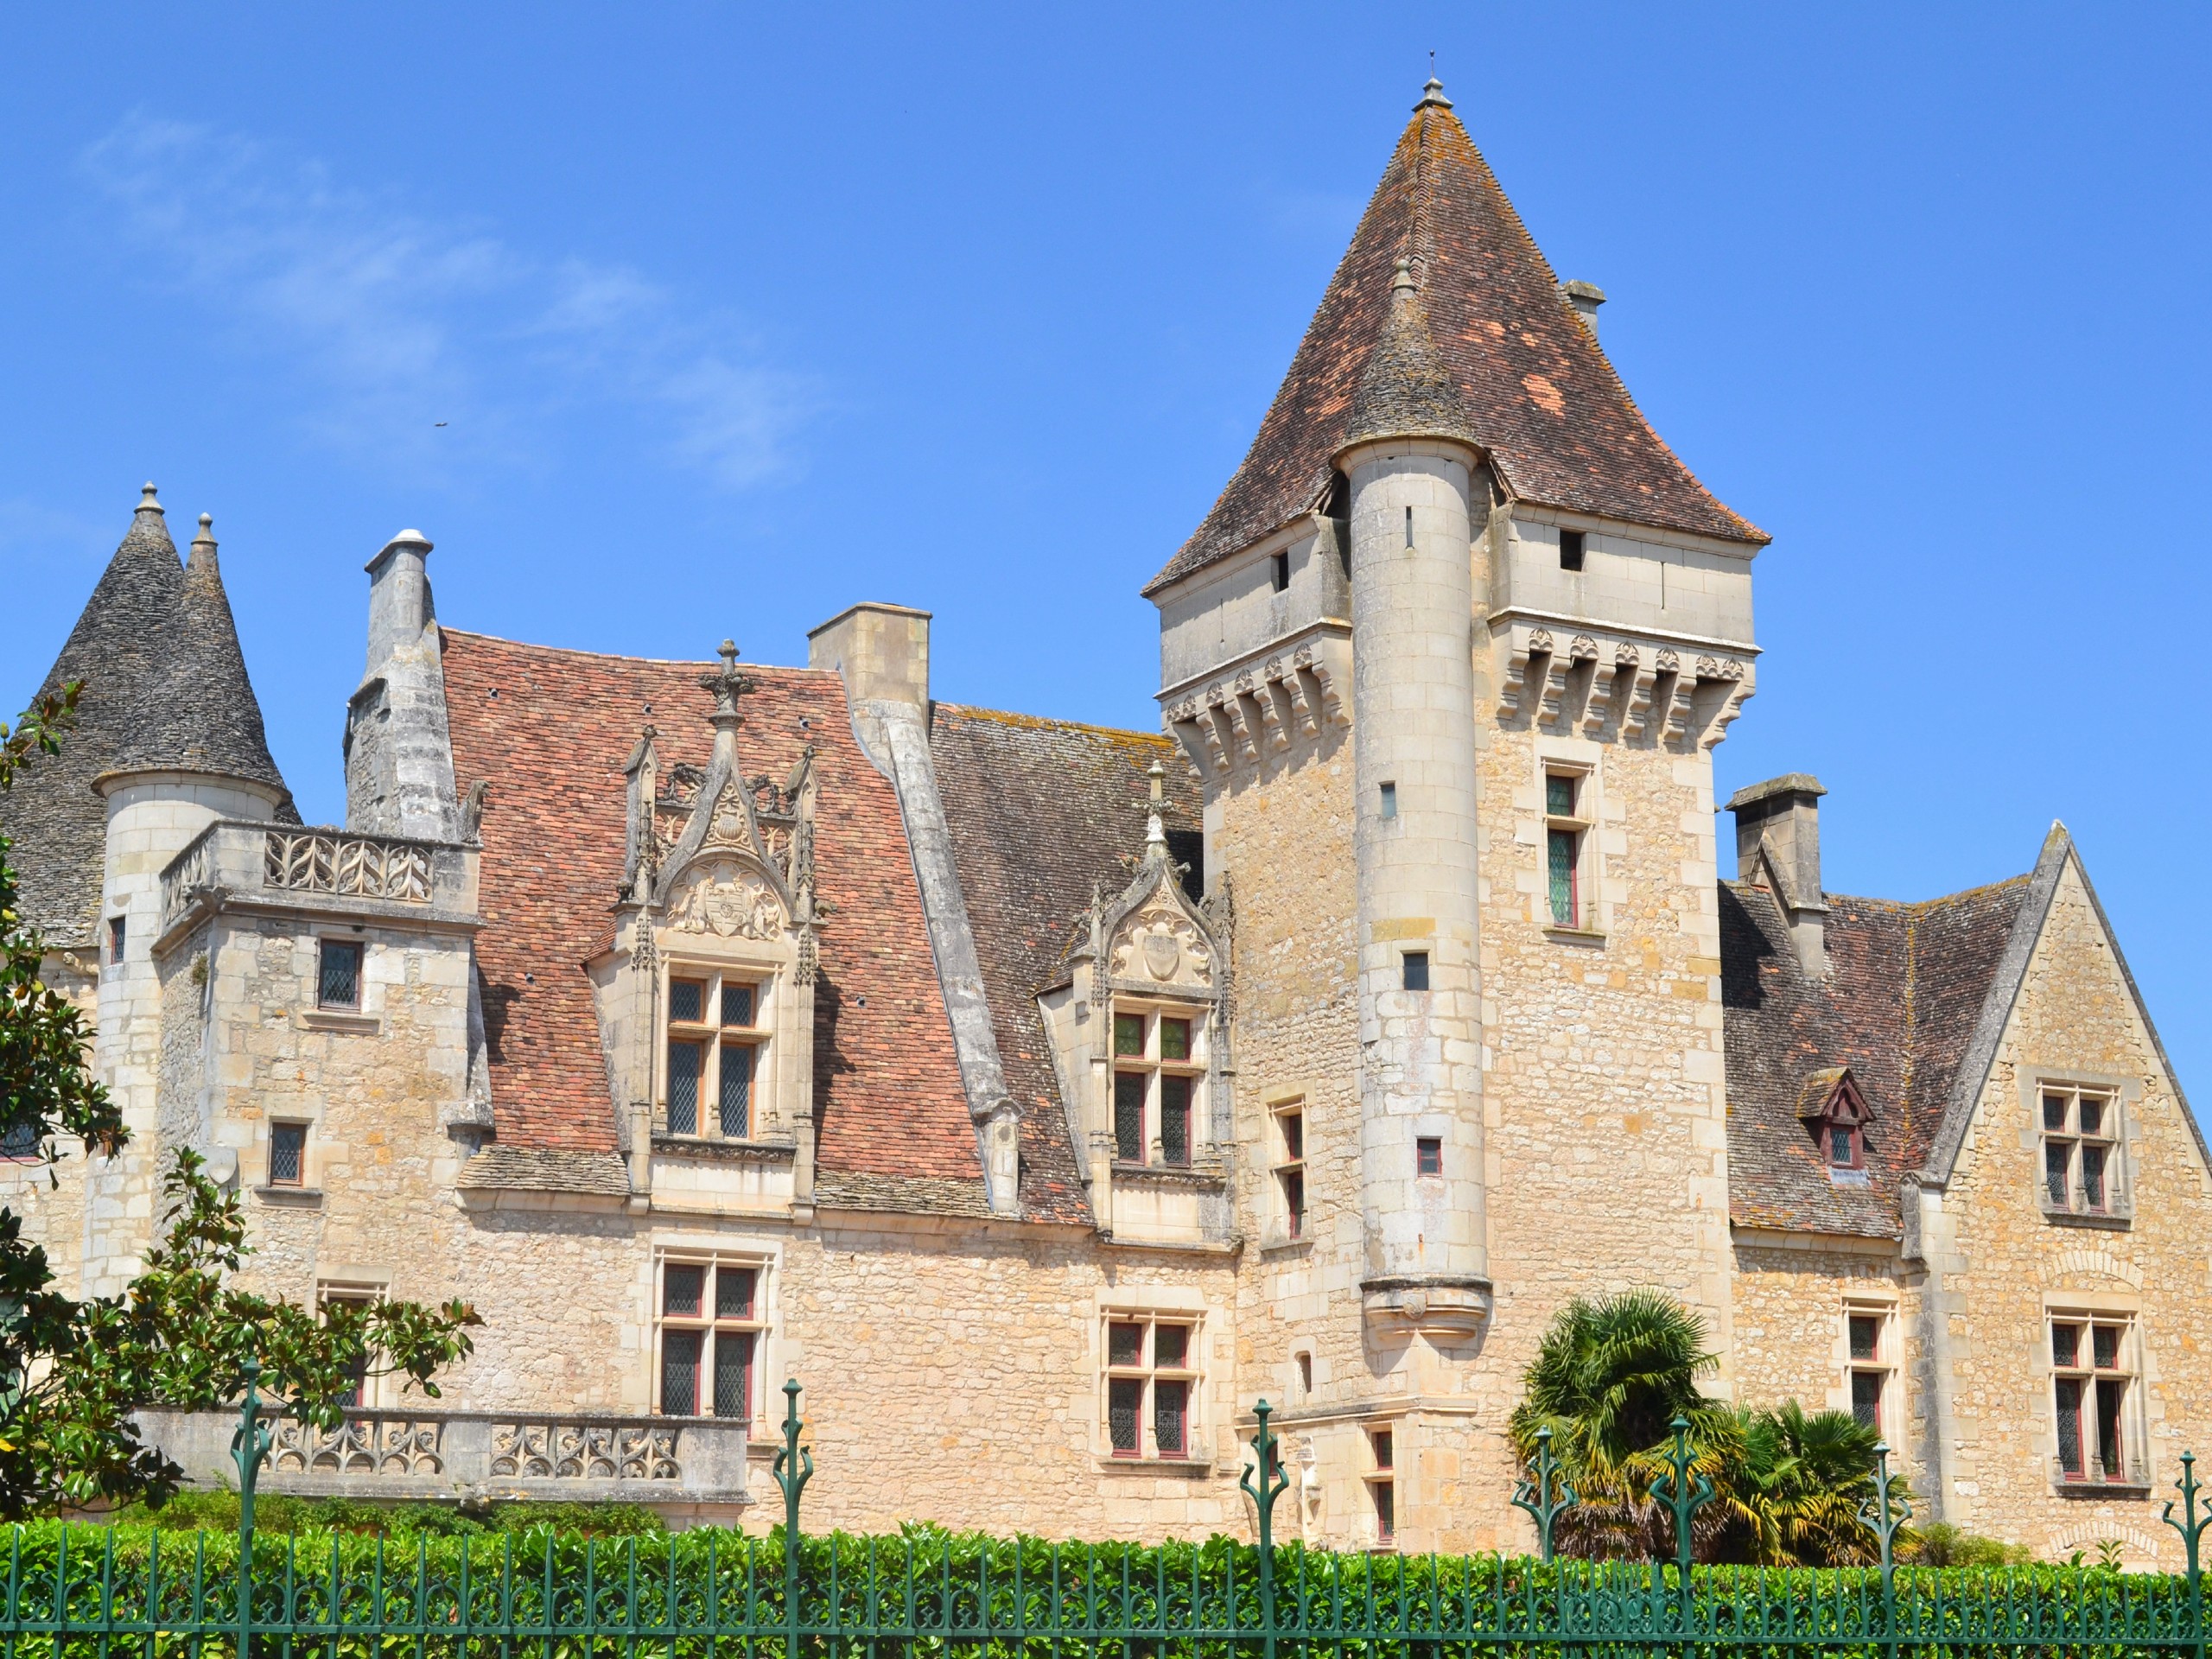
point(728, 685)
point(1401, 279)
point(1155, 834)
point(146, 502)
point(1432, 95)
point(203, 547)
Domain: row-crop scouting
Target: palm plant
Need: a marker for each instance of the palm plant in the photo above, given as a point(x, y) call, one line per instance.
point(1609, 1379)
point(1793, 1498)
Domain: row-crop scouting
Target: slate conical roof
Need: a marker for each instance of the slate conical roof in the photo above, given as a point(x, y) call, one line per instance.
point(165, 687)
point(1536, 393)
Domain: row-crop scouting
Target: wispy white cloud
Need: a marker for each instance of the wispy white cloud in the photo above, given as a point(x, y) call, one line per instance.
point(390, 322)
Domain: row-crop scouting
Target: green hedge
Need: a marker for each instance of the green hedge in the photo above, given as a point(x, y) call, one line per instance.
point(926, 1592)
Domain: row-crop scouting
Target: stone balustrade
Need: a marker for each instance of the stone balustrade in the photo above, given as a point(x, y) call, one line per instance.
point(309, 866)
point(691, 1466)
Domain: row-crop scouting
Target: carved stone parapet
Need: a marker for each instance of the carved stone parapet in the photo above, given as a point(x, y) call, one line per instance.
point(1234, 721)
point(374, 1443)
point(585, 1451)
point(315, 861)
point(1639, 688)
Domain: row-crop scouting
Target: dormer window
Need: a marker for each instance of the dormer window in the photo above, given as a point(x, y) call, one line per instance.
point(1158, 1073)
point(714, 1053)
point(1836, 1114)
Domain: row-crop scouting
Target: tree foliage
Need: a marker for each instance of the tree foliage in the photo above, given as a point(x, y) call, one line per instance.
point(72, 1372)
point(1610, 1377)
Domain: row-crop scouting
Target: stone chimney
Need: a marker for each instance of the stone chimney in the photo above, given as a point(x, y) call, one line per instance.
point(1586, 298)
point(1778, 848)
point(882, 651)
point(398, 755)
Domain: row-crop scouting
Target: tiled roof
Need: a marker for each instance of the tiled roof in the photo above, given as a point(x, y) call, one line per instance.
point(1040, 811)
point(552, 744)
point(1906, 991)
point(1537, 392)
point(165, 686)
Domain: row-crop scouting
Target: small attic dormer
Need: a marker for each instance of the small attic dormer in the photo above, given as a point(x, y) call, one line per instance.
point(1835, 1114)
point(1140, 1037)
point(707, 999)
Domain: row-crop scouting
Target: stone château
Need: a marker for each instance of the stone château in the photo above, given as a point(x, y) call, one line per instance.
point(1043, 1095)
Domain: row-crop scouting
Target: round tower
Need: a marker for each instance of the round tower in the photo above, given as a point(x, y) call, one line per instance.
point(191, 750)
point(1410, 462)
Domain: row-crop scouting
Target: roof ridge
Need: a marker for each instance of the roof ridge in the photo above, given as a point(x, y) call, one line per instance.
point(446, 629)
point(1013, 717)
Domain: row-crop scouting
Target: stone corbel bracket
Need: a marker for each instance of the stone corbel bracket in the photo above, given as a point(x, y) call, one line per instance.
point(1292, 694)
point(1641, 688)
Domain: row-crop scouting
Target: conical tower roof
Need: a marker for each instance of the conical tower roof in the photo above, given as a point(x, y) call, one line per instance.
point(1534, 391)
point(165, 687)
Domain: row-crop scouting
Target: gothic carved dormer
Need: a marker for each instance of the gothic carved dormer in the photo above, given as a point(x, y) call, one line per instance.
point(708, 997)
point(1139, 1031)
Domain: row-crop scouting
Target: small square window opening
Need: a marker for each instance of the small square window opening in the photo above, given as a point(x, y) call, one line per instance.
point(118, 930)
point(1428, 1155)
point(1388, 807)
point(1282, 572)
point(1570, 550)
point(1415, 971)
point(337, 974)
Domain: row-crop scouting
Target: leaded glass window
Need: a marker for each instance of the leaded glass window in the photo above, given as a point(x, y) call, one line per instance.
point(2093, 1378)
point(337, 974)
point(288, 1154)
point(1158, 1067)
point(1151, 1382)
point(716, 1052)
point(1566, 824)
point(711, 1327)
point(2081, 1143)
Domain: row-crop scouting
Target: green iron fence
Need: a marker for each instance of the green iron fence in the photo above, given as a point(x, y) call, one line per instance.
point(931, 1595)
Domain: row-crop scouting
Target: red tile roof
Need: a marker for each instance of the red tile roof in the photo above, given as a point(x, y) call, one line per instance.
point(1535, 389)
point(552, 744)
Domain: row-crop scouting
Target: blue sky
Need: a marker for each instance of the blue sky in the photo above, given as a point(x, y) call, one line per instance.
point(734, 315)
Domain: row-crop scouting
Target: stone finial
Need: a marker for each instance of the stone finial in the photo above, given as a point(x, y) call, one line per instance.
point(146, 501)
point(728, 685)
point(1401, 279)
point(1155, 834)
point(202, 562)
point(1432, 96)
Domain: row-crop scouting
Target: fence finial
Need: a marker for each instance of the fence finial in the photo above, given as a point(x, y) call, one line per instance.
point(1543, 1507)
point(2191, 1525)
point(1682, 1495)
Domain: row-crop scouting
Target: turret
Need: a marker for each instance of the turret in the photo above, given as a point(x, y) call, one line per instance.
point(191, 751)
point(1409, 461)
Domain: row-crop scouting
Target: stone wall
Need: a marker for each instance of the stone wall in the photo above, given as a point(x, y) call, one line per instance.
point(2003, 1266)
point(1794, 1294)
